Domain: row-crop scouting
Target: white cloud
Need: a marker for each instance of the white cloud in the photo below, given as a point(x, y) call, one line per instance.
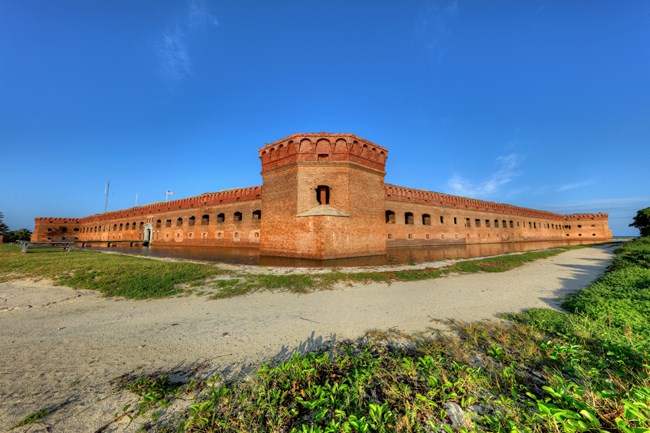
point(199, 15)
point(575, 185)
point(173, 51)
point(601, 205)
point(433, 25)
point(506, 172)
point(174, 57)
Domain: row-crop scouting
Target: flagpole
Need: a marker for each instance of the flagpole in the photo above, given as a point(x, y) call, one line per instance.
point(108, 187)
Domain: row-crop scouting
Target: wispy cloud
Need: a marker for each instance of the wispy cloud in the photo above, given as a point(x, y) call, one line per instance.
point(433, 24)
point(173, 51)
point(199, 16)
point(506, 172)
point(605, 205)
point(575, 185)
point(174, 57)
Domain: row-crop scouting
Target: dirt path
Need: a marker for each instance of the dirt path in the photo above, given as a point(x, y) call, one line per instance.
point(61, 347)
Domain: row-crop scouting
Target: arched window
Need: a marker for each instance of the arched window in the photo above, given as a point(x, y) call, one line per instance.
point(408, 218)
point(426, 219)
point(221, 218)
point(114, 227)
point(323, 194)
point(205, 220)
point(127, 226)
point(179, 222)
point(120, 226)
point(237, 216)
point(257, 214)
point(158, 224)
point(390, 217)
point(191, 221)
point(496, 224)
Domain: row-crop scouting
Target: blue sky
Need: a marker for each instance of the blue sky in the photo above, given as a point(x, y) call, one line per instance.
point(543, 104)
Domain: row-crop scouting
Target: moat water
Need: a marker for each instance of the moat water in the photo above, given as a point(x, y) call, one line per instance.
point(394, 256)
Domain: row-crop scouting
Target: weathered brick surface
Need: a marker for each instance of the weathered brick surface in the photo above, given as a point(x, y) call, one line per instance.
point(363, 215)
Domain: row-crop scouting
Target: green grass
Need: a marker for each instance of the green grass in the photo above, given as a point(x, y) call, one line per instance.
point(141, 278)
point(35, 417)
point(111, 274)
point(545, 371)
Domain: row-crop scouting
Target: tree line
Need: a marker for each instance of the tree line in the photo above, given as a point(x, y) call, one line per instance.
point(13, 235)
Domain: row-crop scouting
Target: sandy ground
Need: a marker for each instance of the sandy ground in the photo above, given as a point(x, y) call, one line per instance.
point(62, 347)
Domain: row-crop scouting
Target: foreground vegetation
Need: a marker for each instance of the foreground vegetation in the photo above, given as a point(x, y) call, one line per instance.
point(544, 371)
point(140, 278)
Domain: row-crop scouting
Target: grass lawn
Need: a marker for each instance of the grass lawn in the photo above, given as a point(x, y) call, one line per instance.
point(141, 278)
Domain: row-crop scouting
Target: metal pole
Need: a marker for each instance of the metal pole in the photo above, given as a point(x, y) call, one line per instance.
point(108, 187)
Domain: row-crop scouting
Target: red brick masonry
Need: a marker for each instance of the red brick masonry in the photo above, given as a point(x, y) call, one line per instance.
point(323, 196)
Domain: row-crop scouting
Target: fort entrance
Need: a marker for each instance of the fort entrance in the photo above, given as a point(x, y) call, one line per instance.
point(148, 230)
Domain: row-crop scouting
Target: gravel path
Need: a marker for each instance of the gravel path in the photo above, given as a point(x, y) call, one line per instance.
point(60, 346)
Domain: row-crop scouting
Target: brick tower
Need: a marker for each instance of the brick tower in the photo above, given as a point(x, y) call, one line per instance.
point(323, 197)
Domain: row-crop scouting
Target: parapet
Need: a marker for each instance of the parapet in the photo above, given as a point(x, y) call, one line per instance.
point(399, 193)
point(229, 196)
point(587, 216)
point(46, 220)
point(323, 147)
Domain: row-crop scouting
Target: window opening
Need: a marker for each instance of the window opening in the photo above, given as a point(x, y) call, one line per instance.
point(323, 194)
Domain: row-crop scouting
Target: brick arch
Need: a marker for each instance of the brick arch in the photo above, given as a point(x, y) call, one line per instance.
point(341, 146)
point(306, 146)
point(323, 146)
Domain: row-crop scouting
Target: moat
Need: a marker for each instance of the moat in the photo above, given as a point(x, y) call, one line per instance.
point(394, 256)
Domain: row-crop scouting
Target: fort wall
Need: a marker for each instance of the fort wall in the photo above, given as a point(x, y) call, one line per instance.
point(424, 217)
point(324, 196)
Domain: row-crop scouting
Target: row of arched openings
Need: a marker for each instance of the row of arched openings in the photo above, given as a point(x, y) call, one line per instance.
point(205, 219)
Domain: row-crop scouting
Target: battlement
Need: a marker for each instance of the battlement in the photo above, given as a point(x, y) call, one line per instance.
point(586, 216)
point(46, 220)
point(323, 147)
point(229, 196)
point(399, 193)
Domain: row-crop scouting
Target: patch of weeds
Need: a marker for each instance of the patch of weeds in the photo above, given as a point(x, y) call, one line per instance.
point(231, 288)
point(36, 416)
point(155, 389)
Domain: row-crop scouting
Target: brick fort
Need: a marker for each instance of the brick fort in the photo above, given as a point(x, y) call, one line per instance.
point(323, 196)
